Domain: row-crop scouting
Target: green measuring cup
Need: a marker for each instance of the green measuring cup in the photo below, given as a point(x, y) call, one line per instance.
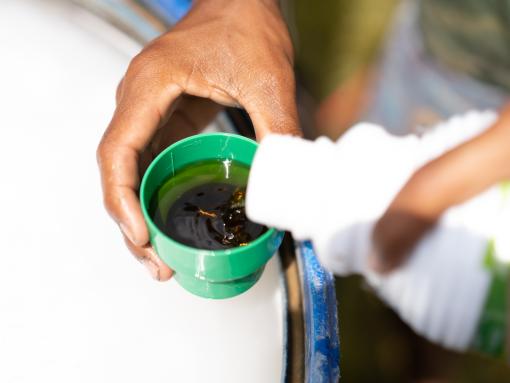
point(208, 273)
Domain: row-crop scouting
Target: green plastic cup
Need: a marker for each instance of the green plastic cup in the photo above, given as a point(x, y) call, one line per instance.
point(214, 274)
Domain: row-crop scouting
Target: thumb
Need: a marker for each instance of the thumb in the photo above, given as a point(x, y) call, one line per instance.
point(271, 106)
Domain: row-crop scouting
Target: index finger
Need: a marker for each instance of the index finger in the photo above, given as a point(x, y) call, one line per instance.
point(136, 119)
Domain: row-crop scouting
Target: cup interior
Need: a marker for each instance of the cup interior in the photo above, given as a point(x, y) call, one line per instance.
point(194, 149)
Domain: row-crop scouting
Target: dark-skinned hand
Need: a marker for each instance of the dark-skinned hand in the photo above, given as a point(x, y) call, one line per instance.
point(224, 52)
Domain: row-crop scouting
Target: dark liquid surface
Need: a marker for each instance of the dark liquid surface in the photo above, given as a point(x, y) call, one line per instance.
point(209, 215)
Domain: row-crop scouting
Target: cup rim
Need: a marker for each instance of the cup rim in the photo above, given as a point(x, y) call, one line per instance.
point(216, 253)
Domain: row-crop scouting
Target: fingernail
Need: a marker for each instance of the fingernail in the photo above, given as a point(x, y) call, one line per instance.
point(127, 232)
point(152, 267)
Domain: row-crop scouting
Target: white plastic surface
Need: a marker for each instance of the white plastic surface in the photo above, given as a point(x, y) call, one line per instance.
point(74, 305)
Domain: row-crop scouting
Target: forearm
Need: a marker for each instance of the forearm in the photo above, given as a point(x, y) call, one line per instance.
point(463, 158)
point(459, 174)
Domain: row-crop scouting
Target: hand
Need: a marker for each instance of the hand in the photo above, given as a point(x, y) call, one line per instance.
point(233, 52)
point(451, 179)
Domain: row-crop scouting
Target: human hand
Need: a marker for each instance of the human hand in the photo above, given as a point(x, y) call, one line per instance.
point(236, 53)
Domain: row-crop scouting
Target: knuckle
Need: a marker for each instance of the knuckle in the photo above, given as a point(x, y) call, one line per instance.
point(135, 251)
point(111, 203)
point(137, 67)
point(103, 150)
point(143, 67)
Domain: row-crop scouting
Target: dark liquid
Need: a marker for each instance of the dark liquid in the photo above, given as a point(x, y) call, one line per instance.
point(209, 215)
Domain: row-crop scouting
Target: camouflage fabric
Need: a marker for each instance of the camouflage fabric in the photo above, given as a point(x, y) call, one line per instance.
point(471, 36)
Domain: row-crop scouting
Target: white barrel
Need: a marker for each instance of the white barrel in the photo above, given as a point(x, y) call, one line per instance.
point(74, 305)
